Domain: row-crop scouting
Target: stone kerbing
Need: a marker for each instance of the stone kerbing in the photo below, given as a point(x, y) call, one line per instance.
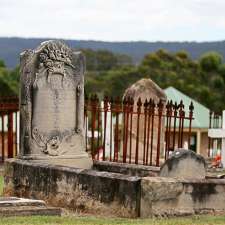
point(162, 196)
point(77, 189)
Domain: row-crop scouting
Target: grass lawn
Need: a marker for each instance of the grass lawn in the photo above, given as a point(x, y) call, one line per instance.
point(70, 220)
point(45, 220)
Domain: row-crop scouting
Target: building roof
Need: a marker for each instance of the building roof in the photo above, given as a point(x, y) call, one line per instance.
point(201, 113)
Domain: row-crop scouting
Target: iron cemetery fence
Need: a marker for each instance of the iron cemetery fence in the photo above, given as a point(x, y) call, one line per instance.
point(119, 131)
point(9, 107)
point(135, 132)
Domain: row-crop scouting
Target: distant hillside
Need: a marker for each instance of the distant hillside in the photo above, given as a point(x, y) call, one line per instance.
point(10, 48)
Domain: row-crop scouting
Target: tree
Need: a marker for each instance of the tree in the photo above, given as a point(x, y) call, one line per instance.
point(5, 86)
point(203, 80)
point(211, 61)
point(109, 73)
point(182, 55)
point(103, 60)
point(2, 64)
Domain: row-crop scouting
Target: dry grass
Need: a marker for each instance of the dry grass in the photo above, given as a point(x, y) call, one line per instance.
point(1, 185)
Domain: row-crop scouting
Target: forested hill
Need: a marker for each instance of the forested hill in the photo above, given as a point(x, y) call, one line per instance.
point(11, 47)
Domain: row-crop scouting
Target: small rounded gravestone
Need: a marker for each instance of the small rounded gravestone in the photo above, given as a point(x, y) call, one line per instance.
point(184, 163)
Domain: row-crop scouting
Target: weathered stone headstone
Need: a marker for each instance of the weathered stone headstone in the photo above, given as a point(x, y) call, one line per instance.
point(146, 89)
point(52, 103)
point(184, 163)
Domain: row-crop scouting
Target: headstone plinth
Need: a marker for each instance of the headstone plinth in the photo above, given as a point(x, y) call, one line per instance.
point(52, 104)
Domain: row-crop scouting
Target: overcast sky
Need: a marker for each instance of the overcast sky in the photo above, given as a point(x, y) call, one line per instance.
point(114, 20)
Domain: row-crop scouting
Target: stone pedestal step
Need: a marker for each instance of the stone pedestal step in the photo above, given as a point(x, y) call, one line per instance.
point(30, 211)
point(12, 206)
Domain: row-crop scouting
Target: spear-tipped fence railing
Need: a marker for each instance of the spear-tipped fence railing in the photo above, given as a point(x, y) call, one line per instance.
point(9, 107)
point(132, 131)
point(127, 131)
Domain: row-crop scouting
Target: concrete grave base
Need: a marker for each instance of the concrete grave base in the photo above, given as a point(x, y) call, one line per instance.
point(112, 194)
point(82, 190)
point(178, 197)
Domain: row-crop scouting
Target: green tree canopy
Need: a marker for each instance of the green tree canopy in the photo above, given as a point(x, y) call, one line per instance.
point(103, 60)
point(2, 63)
point(203, 80)
point(211, 61)
point(109, 73)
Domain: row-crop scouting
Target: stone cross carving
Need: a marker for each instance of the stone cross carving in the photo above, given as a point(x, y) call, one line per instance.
point(52, 102)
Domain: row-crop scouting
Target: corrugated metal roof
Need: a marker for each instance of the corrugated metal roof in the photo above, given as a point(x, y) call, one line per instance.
point(201, 113)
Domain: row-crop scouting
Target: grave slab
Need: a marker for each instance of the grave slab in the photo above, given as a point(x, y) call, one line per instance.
point(13, 206)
